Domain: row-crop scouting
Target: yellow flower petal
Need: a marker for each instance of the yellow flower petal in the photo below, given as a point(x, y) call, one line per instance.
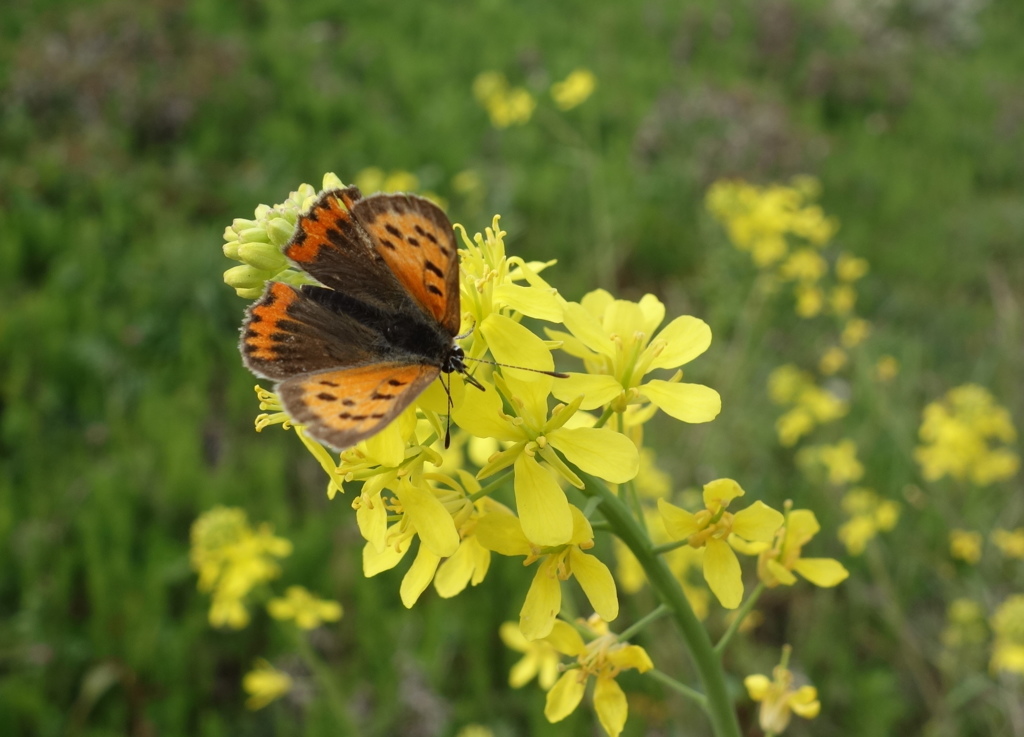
point(481, 414)
point(564, 696)
point(566, 639)
point(602, 452)
point(453, 575)
point(596, 389)
point(722, 572)
point(597, 583)
point(824, 572)
point(679, 523)
point(377, 561)
point(502, 533)
point(610, 704)
point(686, 338)
point(418, 577)
point(432, 521)
point(585, 326)
point(757, 686)
point(531, 301)
point(686, 402)
point(631, 656)
point(542, 506)
point(543, 601)
point(779, 573)
point(372, 519)
point(514, 344)
point(720, 492)
point(757, 522)
point(804, 702)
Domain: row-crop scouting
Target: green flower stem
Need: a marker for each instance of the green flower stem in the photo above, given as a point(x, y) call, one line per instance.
point(491, 487)
point(608, 411)
point(707, 661)
point(640, 624)
point(669, 547)
point(324, 677)
point(741, 614)
point(680, 688)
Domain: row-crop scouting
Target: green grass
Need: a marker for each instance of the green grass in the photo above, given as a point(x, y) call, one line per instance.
point(132, 135)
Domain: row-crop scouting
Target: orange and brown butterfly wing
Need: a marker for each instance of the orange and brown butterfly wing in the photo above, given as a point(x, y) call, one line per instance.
point(286, 332)
point(344, 406)
point(330, 245)
point(415, 238)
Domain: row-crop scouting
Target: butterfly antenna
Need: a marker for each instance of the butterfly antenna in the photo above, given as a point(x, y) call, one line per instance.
point(556, 374)
point(448, 422)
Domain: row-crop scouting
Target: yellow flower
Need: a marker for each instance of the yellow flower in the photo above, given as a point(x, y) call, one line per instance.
point(502, 532)
point(777, 562)
point(308, 611)
point(965, 545)
point(855, 332)
point(475, 730)
point(1009, 542)
point(540, 659)
point(957, 431)
point(779, 700)
point(886, 369)
point(603, 658)
point(505, 105)
point(574, 89)
point(711, 529)
point(534, 438)
point(264, 684)
point(804, 265)
point(832, 361)
point(810, 300)
point(868, 515)
point(849, 268)
point(1008, 625)
point(965, 624)
point(788, 385)
point(231, 559)
point(843, 299)
point(839, 460)
point(616, 340)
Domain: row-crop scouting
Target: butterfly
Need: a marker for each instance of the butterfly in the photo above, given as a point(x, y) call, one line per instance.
point(350, 355)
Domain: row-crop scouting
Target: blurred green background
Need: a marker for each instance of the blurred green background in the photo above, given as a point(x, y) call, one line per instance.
point(132, 133)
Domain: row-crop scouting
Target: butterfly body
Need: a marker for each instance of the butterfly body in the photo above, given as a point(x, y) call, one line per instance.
point(350, 355)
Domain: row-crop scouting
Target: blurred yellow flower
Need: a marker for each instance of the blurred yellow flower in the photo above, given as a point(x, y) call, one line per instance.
point(574, 89)
point(855, 332)
point(957, 431)
point(1008, 626)
point(231, 559)
point(886, 368)
point(965, 624)
point(264, 684)
point(711, 529)
point(1009, 542)
point(603, 658)
point(842, 299)
point(965, 545)
point(839, 460)
point(308, 611)
point(788, 385)
point(832, 360)
point(540, 659)
point(779, 700)
point(850, 268)
point(868, 515)
point(505, 105)
point(810, 300)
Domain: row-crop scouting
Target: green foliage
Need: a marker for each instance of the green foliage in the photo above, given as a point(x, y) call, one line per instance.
point(133, 133)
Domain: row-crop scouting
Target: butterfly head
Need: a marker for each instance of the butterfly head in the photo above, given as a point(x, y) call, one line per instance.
point(455, 360)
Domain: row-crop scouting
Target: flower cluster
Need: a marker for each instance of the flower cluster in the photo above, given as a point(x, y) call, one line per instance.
point(507, 106)
point(809, 404)
point(959, 433)
point(527, 450)
point(231, 559)
point(1008, 626)
point(868, 514)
